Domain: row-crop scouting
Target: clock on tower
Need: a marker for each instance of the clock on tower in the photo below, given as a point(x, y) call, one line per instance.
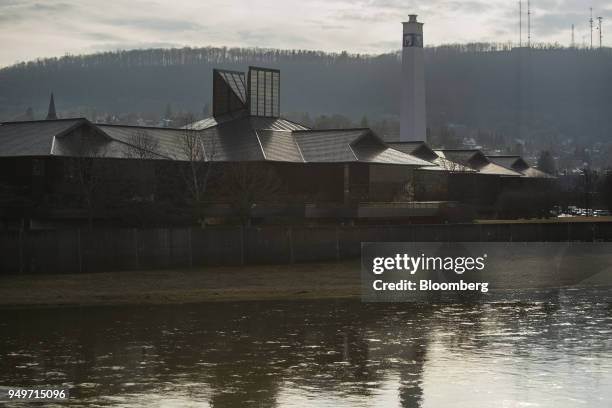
point(413, 40)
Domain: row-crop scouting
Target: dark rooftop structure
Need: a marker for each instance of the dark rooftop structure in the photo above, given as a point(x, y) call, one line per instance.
point(415, 148)
point(517, 163)
point(45, 137)
point(476, 160)
point(229, 92)
point(246, 126)
point(319, 174)
point(264, 92)
point(421, 150)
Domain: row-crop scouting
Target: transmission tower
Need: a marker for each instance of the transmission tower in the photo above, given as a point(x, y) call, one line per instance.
point(528, 24)
point(591, 24)
point(599, 19)
point(520, 23)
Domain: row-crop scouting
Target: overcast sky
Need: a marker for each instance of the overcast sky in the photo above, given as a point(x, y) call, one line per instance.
point(43, 28)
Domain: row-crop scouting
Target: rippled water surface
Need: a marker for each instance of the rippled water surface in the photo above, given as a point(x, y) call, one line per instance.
point(551, 353)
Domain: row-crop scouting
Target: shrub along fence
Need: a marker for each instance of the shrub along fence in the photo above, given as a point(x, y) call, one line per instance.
point(92, 250)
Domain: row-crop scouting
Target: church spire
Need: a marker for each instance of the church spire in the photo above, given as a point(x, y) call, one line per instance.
point(51, 115)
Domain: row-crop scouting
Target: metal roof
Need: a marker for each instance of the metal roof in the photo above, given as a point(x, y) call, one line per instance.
point(168, 141)
point(244, 138)
point(322, 146)
point(476, 160)
point(497, 170)
point(279, 145)
point(419, 149)
point(33, 138)
point(466, 157)
point(232, 141)
point(236, 81)
point(536, 173)
point(258, 122)
point(350, 145)
point(517, 163)
point(450, 166)
point(215, 120)
point(514, 162)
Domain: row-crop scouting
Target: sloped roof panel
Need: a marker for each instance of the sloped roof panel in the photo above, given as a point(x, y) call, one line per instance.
point(496, 169)
point(237, 82)
point(453, 167)
point(416, 148)
point(506, 161)
point(279, 146)
point(350, 145)
point(232, 141)
point(73, 147)
point(323, 146)
point(388, 155)
point(406, 147)
point(34, 138)
point(259, 122)
point(215, 120)
point(458, 156)
point(167, 142)
point(518, 164)
point(469, 157)
point(532, 172)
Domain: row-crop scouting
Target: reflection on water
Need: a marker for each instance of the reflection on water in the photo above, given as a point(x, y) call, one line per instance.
point(556, 353)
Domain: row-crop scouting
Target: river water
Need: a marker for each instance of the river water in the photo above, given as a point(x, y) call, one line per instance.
point(555, 352)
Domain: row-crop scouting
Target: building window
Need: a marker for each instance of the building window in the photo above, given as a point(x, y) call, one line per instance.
point(264, 92)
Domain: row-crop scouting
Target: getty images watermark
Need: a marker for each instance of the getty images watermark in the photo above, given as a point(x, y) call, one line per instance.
point(412, 264)
point(457, 272)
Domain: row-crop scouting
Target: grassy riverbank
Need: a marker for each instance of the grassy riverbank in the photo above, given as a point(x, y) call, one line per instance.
point(304, 281)
point(279, 282)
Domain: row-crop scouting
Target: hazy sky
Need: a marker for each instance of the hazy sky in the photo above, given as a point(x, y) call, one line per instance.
point(31, 29)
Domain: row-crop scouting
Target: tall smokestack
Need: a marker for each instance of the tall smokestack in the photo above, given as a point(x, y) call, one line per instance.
point(412, 114)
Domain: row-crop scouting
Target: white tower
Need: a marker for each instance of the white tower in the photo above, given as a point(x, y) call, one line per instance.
point(412, 113)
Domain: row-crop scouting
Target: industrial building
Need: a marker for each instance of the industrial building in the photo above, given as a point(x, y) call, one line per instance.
point(247, 162)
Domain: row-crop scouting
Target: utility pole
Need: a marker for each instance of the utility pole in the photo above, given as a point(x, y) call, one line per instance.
point(520, 23)
point(573, 43)
point(591, 24)
point(599, 19)
point(528, 24)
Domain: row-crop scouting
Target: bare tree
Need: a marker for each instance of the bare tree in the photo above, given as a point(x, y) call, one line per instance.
point(451, 166)
point(200, 159)
point(143, 148)
point(244, 184)
point(141, 145)
point(85, 166)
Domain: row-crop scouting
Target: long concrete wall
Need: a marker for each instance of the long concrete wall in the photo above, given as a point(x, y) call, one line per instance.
point(86, 250)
